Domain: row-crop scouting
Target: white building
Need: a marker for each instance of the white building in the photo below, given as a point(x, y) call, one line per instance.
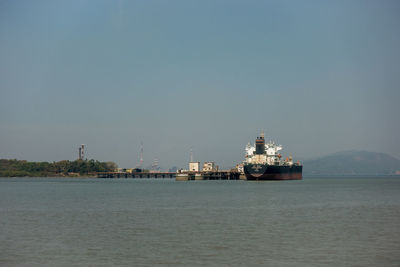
point(209, 167)
point(239, 168)
point(194, 166)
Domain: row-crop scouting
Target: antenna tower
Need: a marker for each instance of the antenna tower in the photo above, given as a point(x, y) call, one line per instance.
point(141, 154)
point(140, 164)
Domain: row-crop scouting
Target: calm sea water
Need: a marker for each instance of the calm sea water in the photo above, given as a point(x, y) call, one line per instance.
point(149, 222)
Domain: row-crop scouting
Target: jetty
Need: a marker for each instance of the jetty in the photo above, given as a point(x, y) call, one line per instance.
point(139, 175)
point(180, 176)
point(215, 175)
point(210, 171)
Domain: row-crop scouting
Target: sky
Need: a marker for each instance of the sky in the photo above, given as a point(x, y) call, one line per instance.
point(318, 76)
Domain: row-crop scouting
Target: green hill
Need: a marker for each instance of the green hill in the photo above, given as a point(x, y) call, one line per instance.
point(353, 163)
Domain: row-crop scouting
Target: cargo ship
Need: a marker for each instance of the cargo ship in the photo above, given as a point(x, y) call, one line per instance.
point(263, 162)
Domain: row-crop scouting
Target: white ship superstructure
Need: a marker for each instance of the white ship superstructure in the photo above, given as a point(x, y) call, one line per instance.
point(268, 155)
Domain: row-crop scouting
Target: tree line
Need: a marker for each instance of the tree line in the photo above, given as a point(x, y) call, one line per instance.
point(20, 168)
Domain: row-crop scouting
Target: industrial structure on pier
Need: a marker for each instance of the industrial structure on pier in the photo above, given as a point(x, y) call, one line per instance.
point(81, 154)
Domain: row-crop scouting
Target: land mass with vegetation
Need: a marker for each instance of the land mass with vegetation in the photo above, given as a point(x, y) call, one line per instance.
point(23, 168)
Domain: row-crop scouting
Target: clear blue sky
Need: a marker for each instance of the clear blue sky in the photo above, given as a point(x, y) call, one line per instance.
point(318, 76)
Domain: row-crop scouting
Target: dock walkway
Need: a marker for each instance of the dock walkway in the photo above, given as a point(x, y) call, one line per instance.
point(185, 176)
point(157, 175)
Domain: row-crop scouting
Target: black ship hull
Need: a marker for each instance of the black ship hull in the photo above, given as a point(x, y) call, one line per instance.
point(272, 172)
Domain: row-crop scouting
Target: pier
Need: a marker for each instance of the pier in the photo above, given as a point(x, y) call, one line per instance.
point(183, 176)
point(216, 175)
point(157, 175)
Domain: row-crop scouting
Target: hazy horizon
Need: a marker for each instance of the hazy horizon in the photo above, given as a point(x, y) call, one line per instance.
point(318, 76)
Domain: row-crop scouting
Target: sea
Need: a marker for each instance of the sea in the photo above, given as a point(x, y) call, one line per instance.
point(162, 222)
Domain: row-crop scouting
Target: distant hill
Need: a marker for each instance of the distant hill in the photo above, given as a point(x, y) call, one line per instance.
point(353, 163)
